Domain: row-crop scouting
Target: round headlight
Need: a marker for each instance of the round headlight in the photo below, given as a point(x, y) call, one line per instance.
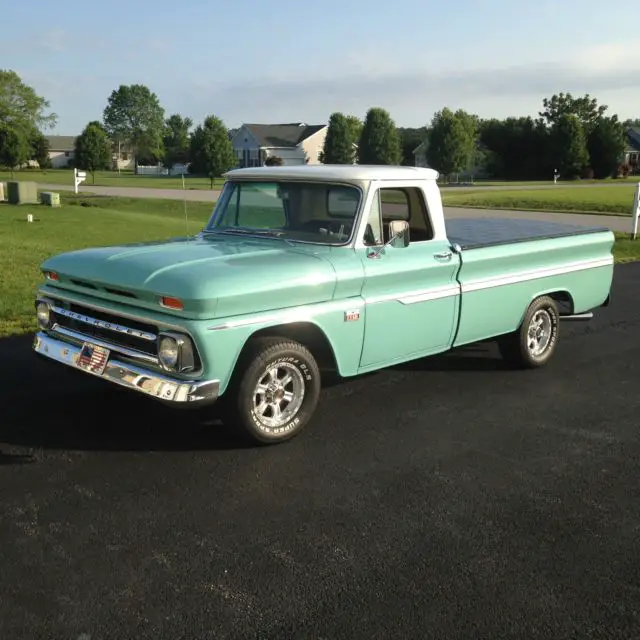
point(44, 317)
point(168, 352)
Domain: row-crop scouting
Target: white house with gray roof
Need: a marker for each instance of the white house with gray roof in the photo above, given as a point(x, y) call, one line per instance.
point(296, 143)
point(61, 150)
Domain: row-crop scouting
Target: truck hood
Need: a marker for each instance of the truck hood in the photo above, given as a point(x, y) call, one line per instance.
point(214, 276)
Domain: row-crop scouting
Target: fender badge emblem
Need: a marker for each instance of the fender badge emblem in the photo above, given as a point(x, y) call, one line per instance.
point(350, 316)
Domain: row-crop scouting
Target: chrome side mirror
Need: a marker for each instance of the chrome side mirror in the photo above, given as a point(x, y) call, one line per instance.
point(399, 238)
point(399, 234)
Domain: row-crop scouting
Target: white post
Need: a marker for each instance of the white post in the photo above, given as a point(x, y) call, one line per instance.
point(78, 177)
point(635, 211)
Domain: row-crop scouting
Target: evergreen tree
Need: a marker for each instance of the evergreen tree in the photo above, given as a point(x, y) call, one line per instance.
point(379, 141)
point(338, 145)
point(211, 150)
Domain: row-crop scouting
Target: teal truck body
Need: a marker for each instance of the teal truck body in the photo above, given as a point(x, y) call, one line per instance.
point(310, 268)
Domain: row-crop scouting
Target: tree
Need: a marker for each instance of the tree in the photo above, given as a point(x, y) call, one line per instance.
point(176, 140)
point(40, 150)
point(379, 141)
point(568, 145)
point(211, 150)
point(518, 148)
point(93, 149)
point(14, 147)
point(339, 144)
point(21, 108)
point(134, 114)
point(606, 144)
point(452, 141)
point(585, 109)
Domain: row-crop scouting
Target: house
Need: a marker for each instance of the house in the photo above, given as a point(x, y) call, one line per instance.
point(122, 156)
point(420, 155)
point(632, 148)
point(61, 150)
point(296, 143)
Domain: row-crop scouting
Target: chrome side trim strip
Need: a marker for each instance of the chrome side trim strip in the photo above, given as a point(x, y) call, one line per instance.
point(151, 383)
point(81, 337)
point(297, 314)
point(413, 297)
point(534, 274)
point(103, 324)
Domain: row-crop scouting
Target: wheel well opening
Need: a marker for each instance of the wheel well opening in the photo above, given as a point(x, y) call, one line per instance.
point(564, 301)
point(307, 334)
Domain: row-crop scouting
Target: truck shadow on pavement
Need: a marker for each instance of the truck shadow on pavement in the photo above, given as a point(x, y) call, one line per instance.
point(45, 406)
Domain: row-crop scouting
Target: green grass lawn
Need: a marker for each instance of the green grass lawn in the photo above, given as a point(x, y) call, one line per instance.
point(589, 199)
point(86, 221)
point(526, 183)
point(108, 220)
point(111, 179)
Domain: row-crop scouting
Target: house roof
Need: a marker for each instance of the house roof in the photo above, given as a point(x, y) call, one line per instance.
point(283, 135)
point(633, 138)
point(61, 143)
point(334, 172)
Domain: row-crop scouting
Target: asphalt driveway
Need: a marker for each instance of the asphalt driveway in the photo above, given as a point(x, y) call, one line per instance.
point(447, 498)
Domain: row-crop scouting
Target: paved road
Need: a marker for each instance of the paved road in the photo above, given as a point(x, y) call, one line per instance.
point(448, 498)
point(617, 223)
point(206, 195)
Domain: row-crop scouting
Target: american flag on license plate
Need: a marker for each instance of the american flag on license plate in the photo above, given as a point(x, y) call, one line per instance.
point(93, 358)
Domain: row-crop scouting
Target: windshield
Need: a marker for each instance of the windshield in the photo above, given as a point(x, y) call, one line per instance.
point(303, 211)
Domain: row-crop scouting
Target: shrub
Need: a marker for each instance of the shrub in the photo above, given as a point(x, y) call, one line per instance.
point(273, 161)
point(587, 173)
point(624, 169)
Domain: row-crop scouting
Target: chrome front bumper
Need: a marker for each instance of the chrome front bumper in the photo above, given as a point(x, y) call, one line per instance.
point(151, 383)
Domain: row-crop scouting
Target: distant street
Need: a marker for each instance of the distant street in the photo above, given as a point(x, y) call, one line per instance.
point(616, 223)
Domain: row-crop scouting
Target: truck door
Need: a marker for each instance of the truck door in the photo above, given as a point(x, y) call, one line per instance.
point(410, 293)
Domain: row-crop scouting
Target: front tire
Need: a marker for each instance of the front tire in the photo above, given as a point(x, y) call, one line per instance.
point(274, 391)
point(533, 344)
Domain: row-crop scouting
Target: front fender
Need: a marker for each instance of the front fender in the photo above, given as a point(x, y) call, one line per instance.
point(342, 324)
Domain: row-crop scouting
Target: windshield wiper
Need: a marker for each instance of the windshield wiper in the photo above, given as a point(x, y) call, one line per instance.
point(269, 233)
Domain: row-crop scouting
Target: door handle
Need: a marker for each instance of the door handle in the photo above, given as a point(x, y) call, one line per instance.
point(445, 255)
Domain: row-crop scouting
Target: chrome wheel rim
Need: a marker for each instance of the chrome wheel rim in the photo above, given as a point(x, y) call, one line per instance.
point(278, 395)
point(539, 334)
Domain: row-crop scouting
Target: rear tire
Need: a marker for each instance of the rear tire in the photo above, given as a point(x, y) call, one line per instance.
point(274, 391)
point(534, 343)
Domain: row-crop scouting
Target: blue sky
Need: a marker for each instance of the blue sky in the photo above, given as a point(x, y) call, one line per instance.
point(283, 61)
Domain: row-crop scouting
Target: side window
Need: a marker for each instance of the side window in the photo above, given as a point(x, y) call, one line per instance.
point(406, 203)
point(373, 230)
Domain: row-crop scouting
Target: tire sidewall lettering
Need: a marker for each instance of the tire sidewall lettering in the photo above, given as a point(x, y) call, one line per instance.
point(303, 368)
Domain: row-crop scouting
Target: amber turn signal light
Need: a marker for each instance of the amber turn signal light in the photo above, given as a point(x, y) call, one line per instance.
point(171, 303)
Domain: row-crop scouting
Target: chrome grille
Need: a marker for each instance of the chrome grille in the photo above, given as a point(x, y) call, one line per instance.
point(118, 331)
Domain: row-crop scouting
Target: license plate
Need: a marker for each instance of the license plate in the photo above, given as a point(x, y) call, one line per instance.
point(93, 358)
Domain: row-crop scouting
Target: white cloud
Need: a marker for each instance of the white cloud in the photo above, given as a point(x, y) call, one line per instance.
point(412, 93)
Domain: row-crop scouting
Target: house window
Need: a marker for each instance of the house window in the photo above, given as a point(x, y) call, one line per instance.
point(125, 157)
point(66, 154)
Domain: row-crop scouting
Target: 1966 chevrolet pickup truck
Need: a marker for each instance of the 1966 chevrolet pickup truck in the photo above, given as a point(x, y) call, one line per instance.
point(309, 268)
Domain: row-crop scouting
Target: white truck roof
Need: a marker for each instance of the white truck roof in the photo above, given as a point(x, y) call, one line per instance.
point(337, 172)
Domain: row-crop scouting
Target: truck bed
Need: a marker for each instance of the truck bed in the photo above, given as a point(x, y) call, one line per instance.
point(476, 233)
